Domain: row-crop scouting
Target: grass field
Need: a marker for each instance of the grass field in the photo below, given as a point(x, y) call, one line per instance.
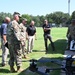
point(59, 39)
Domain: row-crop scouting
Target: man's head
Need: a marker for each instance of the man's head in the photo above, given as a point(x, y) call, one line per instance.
point(16, 16)
point(7, 19)
point(17, 13)
point(32, 23)
point(46, 21)
point(24, 21)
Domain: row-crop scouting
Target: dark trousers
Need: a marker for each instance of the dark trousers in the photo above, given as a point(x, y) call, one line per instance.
point(69, 41)
point(46, 37)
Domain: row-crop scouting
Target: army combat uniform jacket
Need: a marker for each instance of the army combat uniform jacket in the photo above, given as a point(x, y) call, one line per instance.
point(71, 31)
point(14, 43)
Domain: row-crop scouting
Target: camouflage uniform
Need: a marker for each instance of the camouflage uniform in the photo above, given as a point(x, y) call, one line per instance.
point(13, 37)
point(71, 30)
point(70, 34)
point(23, 41)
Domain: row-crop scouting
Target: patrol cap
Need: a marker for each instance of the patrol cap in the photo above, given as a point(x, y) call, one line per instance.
point(24, 19)
point(17, 13)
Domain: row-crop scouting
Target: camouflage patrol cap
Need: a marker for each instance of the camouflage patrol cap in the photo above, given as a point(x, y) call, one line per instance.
point(24, 19)
point(17, 13)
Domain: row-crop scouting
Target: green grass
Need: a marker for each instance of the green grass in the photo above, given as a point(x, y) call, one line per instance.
point(59, 39)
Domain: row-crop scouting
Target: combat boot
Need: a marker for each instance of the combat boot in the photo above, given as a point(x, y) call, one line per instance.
point(19, 69)
point(26, 57)
point(12, 69)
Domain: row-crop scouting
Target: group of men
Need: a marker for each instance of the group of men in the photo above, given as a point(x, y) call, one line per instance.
point(13, 38)
point(14, 35)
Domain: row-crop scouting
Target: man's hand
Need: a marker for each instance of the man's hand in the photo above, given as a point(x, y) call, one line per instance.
point(23, 44)
point(45, 29)
point(26, 38)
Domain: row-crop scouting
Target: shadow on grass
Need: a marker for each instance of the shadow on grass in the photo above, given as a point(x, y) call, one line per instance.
point(44, 63)
point(4, 71)
point(26, 72)
point(60, 47)
point(38, 50)
point(0, 55)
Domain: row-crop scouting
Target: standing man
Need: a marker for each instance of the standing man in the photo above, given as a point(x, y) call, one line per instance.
point(23, 34)
point(31, 33)
point(14, 43)
point(47, 30)
point(71, 33)
point(4, 40)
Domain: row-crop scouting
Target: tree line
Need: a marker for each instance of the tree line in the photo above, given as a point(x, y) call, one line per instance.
point(56, 18)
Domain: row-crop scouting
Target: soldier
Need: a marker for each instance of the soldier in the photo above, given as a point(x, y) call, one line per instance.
point(71, 33)
point(23, 34)
point(47, 30)
point(14, 43)
point(4, 40)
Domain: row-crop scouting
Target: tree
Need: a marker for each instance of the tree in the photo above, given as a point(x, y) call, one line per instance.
point(73, 15)
point(56, 18)
point(28, 17)
point(37, 20)
point(3, 15)
point(42, 18)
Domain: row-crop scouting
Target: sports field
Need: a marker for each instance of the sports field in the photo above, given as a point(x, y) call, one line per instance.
point(59, 39)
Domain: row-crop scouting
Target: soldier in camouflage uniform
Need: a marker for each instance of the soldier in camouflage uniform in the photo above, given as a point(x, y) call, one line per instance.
point(71, 33)
point(14, 43)
point(23, 34)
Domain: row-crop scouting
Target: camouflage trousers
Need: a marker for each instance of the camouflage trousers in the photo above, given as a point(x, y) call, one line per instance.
point(15, 54)
point(23, 43)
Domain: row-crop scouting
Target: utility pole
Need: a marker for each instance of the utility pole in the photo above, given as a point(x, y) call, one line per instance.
point(69, 7)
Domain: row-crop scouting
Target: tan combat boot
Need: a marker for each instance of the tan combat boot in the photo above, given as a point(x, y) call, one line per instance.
point(19, 69)
point(12, 69)
point(26, 57)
